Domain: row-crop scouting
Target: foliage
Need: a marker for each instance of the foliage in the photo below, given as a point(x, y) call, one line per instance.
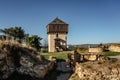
point(33, 41)
point(108, 53)
point(16, 33)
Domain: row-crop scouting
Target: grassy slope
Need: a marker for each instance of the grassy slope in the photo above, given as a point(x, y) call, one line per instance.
point(111, 53)
point(58, 55)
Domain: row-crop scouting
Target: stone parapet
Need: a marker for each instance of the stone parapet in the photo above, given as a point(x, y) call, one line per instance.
point(95, 50)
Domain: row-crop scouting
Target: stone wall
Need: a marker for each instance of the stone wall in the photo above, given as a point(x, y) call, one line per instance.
point(97, 70)
point(51, 40)
point(114, 48)
point(96, 50)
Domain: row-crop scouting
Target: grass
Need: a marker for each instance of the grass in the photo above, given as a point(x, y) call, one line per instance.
point(58, 55)
point(63, 55)
point(111, 53)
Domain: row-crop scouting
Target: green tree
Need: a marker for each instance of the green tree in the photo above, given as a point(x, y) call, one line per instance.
point(15, 33)
point(34, 41)
point(6, 32)
point(19, 33)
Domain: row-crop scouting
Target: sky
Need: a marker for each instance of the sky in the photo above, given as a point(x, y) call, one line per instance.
point(90, 21)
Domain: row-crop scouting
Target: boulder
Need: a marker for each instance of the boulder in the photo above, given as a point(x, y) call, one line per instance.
point(25, 61)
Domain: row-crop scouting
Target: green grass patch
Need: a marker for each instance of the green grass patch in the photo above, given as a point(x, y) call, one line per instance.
point(111, 53)
point(58, 55)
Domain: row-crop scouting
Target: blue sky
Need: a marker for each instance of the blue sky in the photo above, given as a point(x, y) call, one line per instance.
point(90, 21)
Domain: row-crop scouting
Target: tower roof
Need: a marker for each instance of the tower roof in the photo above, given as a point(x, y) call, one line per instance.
point(57, 21)
point(57, 26)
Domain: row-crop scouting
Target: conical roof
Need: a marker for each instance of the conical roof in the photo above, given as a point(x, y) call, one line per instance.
point(57, 21)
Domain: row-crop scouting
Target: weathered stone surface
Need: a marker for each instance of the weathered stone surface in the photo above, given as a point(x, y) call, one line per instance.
point(26, 62)
point(40, 69)
point(97, 70)
point(96, 50)
point(6, 65)
point(15, 58)
point(114, 48)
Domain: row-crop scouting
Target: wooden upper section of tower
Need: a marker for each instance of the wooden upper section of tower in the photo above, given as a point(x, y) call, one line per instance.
point(57, 26)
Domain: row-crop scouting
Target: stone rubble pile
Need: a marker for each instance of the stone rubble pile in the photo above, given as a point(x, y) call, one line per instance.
point(22, 60)
point(97, 70)
point(35, 70)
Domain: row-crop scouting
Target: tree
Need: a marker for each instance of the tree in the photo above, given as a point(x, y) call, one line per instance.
point(6, 32)
point(15, 33)
point(33, 41)
point(19, 33)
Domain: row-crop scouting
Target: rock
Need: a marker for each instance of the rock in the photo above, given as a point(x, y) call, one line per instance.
point(6, 65)
point(107, 70)
point(98, 50)
point(25, 61)
point(40, 71)
point(114, 47)
point(2, 56)
point(52, 58)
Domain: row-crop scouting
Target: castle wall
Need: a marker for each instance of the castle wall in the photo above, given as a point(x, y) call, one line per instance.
point(97, 50)
point(114, 48)
point(51, 41)
point(63, 36)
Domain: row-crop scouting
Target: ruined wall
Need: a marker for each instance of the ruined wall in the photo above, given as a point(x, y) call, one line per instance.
point(106, 70)
point(114, 48)
point(96, 50)
point(16, 58)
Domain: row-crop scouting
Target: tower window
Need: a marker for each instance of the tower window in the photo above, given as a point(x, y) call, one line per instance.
point(57, 35)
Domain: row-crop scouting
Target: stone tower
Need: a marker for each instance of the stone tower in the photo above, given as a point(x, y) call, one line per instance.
point(57, 35)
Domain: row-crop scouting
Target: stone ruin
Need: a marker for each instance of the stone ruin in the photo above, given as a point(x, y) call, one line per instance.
point(114, 48)
point(95, 50)
point(103, 68)
point(97, 70)
point(15, 58)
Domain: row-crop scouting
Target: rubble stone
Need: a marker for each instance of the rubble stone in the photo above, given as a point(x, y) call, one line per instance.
point(15, 58)
point(97, 70)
